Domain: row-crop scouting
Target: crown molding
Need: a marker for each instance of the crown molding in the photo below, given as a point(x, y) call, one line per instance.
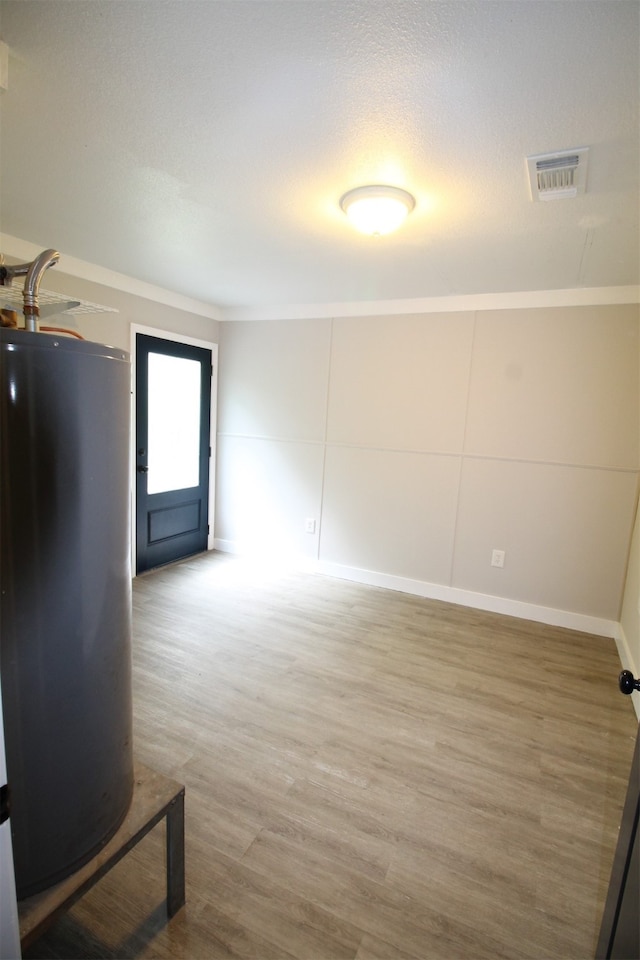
point(71, 266)
point(519, 300)
point(573, 297)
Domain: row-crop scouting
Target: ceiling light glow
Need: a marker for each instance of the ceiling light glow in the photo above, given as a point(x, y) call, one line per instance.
point(377, 210)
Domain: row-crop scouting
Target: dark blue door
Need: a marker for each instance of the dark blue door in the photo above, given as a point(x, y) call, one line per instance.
point(173, 402)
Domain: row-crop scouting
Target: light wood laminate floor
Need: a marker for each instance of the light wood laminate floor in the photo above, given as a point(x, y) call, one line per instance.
point(368, 775)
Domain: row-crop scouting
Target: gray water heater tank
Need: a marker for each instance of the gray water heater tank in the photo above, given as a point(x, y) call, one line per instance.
point(65, 604)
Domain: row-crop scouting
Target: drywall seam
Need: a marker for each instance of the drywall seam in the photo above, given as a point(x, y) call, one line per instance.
point(469, 381)
point(327, 401)
point(349, 445)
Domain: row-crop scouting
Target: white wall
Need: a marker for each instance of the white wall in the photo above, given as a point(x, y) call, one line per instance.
point(420, 443)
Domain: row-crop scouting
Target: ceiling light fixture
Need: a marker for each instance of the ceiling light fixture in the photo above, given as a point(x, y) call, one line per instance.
point(377, 210)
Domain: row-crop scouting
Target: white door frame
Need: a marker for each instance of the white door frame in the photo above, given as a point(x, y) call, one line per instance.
point(176, 338)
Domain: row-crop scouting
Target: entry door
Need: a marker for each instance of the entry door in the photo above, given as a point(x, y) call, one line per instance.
point(173, 402)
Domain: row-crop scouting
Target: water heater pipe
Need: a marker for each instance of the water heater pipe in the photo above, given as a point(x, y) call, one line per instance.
point(33, 272)
point(32, 284)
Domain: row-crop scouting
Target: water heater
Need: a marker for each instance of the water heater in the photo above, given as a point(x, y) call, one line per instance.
point(65, 598)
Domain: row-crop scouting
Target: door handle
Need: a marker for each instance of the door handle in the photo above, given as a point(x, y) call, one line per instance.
point(142, 469)
point(627, 682)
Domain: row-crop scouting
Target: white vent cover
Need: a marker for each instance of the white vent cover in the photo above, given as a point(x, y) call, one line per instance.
point(558, 176)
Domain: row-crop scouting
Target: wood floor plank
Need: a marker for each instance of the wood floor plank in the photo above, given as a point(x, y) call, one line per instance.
point(369, 775)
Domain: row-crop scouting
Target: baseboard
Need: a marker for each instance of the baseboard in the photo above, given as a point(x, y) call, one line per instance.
point(465, 598)
point(479, 601)
point(224, 546)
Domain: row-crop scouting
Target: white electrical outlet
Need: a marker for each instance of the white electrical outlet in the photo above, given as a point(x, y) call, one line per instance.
point(310, 525)
point(497, 558)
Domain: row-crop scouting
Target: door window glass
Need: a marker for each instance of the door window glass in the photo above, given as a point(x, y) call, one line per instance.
point(173, 448)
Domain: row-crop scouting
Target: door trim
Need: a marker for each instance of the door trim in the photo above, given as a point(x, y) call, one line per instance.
point(195, 342)
point(615, 915)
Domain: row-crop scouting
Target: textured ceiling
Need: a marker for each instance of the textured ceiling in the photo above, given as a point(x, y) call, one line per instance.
point(204, 146)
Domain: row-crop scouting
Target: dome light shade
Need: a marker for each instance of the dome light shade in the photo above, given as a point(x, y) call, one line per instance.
point(377, 210)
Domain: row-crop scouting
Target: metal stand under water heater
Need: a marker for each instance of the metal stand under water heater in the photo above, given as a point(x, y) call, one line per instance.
point(65, 591)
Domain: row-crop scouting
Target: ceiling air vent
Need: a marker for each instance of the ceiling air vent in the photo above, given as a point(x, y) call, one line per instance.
point(558, 176)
